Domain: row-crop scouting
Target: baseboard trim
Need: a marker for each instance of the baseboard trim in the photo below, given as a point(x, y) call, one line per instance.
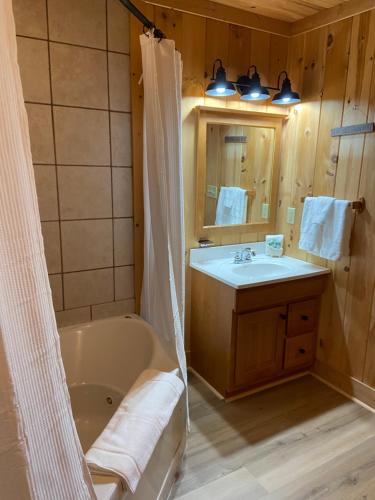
point(264, 387)
point(348, 386)
point(207, 384)
point(353, 389)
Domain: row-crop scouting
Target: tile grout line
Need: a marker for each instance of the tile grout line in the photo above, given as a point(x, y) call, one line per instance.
point(40, 164)
point(71, 106)
point(91, 269)
point(55, 155)
point(110, 152)
point(83, 219)
point(73, 44)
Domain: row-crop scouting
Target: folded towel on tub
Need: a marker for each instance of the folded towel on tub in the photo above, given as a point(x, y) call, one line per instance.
point(127, 443)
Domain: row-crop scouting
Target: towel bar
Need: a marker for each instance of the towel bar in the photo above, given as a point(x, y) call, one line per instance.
point(358, 205)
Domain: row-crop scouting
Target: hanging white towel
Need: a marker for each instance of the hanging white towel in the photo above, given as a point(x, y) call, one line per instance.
point(337, 231)
point(231, 206)
point(127, 443)
point(326, 227)
point(316, 213)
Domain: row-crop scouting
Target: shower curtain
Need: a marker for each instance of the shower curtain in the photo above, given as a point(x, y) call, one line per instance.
point(163, 281)
point(40, 454)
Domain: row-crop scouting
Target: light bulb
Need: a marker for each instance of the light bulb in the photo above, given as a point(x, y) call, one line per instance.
point(286, 99)
point(255, 94)
point(220, 90)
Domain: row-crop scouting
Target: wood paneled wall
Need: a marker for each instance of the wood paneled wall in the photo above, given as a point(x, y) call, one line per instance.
point(334, 69)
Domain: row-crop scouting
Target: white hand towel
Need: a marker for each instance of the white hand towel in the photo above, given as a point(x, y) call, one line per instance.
point(127, 443)
point(231, 206)
point(337, 231)
point(316, 213)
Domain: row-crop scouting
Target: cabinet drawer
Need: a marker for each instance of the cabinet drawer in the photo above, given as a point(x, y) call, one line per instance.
point(299, 351)
point(302, 317)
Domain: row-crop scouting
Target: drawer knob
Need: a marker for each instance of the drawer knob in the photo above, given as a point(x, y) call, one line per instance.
point(304, 317)
point(301, 350)
point(283, 316)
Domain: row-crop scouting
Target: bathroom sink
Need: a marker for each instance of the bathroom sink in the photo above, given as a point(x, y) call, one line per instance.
point(218, 262)
point(259, 269)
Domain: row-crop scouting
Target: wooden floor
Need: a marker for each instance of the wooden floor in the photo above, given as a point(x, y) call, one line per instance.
point(301, 440)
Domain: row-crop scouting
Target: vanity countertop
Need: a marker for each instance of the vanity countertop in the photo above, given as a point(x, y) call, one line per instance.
point(218, 262)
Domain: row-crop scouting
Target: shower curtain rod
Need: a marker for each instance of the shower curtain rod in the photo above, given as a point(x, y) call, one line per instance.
point(139, 15)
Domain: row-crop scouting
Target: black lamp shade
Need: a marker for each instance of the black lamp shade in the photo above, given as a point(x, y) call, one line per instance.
point(286, 96)
point(251, 88)
point(220, 87)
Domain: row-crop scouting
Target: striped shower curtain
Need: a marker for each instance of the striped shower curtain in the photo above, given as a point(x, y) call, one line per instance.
point(163, 281)
point(40, 454)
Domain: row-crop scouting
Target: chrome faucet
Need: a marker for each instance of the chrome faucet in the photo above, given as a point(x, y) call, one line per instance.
point(246, 255)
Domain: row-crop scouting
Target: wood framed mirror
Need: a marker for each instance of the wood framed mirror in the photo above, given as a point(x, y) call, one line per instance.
point(237, 170)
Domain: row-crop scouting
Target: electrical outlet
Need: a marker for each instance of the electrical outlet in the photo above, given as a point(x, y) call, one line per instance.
point(265, 210)
point(212, 191)
point(291, 215)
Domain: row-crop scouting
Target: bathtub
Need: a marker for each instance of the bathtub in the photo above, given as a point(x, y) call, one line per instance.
point(102, 360)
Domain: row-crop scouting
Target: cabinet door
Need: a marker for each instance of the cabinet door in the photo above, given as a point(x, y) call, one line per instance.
point(259, 345)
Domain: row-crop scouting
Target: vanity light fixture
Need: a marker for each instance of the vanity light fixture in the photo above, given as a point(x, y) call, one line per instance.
point(250, 87)
point(220, 86)
point(286, 96)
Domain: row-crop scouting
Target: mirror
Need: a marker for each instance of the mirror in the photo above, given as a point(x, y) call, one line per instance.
point(239, 163)
point(237, 169)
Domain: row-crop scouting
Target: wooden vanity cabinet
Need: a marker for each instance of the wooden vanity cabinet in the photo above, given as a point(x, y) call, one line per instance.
point(245, 338)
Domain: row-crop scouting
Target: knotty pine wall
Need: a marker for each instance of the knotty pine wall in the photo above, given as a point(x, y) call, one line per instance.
point(333, 68)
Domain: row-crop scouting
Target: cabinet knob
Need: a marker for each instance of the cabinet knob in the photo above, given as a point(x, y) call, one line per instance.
point(304, 317)
point(283, 316)
point(301, 350)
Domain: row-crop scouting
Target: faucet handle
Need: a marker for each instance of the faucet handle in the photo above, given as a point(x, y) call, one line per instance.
point(249, 253)
point(237, 257)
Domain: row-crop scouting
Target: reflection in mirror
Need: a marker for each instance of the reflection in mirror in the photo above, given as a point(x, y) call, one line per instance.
point(239, 163)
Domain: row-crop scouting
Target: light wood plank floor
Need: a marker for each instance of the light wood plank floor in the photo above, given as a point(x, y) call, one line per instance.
point(301, 440)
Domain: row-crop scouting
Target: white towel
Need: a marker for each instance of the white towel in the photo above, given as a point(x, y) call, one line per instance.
point(231, 206)
point(337, 231)
point(127, 443)
point(326, 227)
point(316, 213)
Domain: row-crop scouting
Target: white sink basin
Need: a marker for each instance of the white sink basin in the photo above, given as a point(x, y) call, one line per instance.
point(259, 269)
point(218, 263)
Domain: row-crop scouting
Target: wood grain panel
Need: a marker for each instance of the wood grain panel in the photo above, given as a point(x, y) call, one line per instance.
point(331, 15)
point(349, 324)
point(230, 14)
point(343, 167)
point(290, 10)
point(334, 85)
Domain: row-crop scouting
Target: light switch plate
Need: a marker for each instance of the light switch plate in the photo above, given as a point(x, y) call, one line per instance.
point(211, 191)
point(265, 210)
point(291, 215)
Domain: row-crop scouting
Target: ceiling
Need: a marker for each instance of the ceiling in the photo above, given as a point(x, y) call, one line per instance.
point(285, 10)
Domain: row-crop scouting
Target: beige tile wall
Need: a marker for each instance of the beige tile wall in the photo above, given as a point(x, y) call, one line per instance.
point(74, 62)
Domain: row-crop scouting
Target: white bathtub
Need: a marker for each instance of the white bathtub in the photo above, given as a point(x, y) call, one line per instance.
point(102, 359)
